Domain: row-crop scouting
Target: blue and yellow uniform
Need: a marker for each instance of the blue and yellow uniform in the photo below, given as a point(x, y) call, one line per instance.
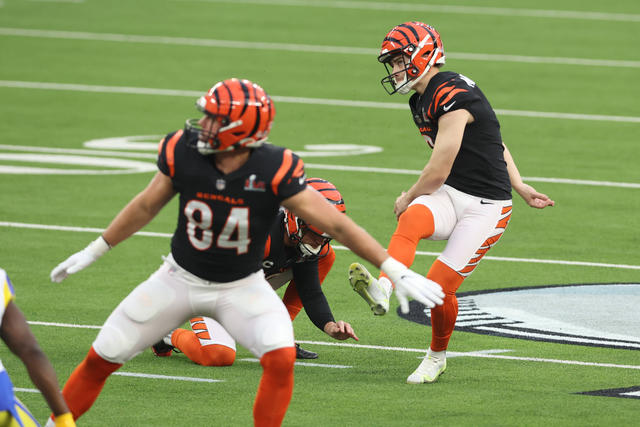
point(12, 411)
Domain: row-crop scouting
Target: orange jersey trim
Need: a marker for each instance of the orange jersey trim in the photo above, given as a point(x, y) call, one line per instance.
point(287, 160)
point(171, 152)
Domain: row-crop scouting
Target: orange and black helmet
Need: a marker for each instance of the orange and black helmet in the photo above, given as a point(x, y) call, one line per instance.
point(296, 228)
point(420, 46)
point(244, 110)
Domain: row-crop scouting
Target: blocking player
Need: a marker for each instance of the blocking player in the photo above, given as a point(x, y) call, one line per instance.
point(231, 185)
point(296, 253)
point(463, 194)
point(16, 334)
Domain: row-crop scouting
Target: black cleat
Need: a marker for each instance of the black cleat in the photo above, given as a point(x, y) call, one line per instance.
point(161, 349)
point(301, 353)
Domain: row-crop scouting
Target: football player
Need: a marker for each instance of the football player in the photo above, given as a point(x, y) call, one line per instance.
point(16, 334)
point(296, 253)
point(231, 185)
point(463, 194)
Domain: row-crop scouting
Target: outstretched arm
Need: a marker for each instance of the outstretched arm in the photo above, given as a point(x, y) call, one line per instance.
point(527, 192)
point(15, 332)
point(135, 215)
point(314, 209)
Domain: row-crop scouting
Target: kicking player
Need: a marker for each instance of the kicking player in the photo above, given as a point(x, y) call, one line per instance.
point(231, 185)
point(296, 253)
point(463, 194)
point(16, 334)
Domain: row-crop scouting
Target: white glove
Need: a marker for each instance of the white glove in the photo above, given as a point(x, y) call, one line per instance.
point(80, 260)
point(412, 284)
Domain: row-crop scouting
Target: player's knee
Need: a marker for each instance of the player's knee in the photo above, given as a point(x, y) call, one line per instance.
point(218, 355)
point(416, 222)
point(279, 362)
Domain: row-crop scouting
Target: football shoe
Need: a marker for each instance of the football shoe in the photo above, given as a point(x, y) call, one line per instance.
point(373, 291)
point(432, 366)
point(301, 353)
point(163, 348)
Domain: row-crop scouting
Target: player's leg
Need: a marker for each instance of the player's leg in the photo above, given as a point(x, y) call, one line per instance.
point(207, 344)
point(252, 313)
point(479, 227)
point(428, 217)
point(149, 312)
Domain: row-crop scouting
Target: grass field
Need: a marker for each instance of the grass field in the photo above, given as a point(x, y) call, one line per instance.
point(562, 76)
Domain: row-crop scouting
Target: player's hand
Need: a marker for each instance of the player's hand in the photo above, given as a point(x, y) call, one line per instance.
point(80, 260)
point(533, 198)
point(340, 330)
point(401, 205)
point(411, 284)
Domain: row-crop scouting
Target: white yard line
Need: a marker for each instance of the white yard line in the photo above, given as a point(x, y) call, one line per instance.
point(168, 235)
point(297, 47)
point(297, 100)
point(439, 8)
point(487, 354)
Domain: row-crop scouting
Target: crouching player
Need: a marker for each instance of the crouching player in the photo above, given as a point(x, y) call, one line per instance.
point(296, 253)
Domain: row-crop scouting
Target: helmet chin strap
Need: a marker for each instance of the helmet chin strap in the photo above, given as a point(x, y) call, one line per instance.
point(308, 250)
point(407, 86)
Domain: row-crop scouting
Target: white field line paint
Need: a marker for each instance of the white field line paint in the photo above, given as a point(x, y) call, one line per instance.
point(311, 165)
point(317, 365)
point(417, 172)
point(467, 10)
point(167, 377)
point(481, 353)
point(297, 100)
point(368, 169)
point(26, 390)
point(293, 47)
point(338, 247)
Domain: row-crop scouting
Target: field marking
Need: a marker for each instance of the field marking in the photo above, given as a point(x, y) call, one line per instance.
point(366, 169)
point(315, 365)
point(338, 247)
point(294, 47)
point(489, 354)
point(466, 10)
point(167, 377)
point(297, 100)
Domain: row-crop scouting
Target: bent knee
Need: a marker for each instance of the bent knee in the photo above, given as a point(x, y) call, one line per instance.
point(218, 355)
point(280, 360)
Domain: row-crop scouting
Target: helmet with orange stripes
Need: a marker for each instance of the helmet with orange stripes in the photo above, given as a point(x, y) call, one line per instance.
point(419, 46)
point(238, 113)
point(296, 228)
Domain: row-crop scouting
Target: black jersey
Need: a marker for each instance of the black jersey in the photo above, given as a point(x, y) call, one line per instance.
point(224, 219)
point(479, 168)
point(279, 257)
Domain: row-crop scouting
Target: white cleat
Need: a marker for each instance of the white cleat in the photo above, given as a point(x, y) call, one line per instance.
point(375, 292)
point(433, 365)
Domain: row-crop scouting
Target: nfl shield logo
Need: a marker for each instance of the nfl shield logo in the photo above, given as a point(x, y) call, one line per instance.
point(220, 184)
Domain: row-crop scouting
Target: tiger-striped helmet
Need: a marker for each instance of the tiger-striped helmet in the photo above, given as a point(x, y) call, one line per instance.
point(296, 227)
point(245, 113)
point(420, 47)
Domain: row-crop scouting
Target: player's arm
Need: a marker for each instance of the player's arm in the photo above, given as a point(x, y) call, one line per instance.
point(15, 332)
point(313, 208)
point(314, 301)
point(527, 192)
point(448, 140)
point(135, 215)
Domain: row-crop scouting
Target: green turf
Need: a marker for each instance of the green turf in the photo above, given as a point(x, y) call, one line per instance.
point(592, 224)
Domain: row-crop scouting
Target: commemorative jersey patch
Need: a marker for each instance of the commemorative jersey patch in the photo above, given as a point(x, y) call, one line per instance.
point(254, 184)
